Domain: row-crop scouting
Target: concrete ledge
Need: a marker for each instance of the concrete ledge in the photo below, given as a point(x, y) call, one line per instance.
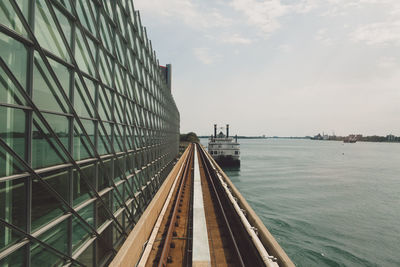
point(131, 250)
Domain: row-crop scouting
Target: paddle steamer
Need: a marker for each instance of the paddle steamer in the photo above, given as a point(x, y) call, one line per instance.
point(224, 149)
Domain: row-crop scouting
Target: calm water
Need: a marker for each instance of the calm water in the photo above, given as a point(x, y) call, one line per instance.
point(327, 203)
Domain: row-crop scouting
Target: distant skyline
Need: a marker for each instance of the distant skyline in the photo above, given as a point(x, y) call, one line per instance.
point(281, 67)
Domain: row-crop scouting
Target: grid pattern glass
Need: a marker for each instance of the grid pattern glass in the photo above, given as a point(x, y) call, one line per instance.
point(89, 129)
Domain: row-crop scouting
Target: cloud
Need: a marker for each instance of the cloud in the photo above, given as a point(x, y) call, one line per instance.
point(381, 33)
point(388, 63)
point(236, 39)
point(286, 48)
point(185, 11)
point(264, 15)
point(206, 55)
point(334, 8)
point(323, 37)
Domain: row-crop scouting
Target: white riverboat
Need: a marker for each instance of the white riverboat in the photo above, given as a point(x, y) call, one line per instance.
point(224, 149)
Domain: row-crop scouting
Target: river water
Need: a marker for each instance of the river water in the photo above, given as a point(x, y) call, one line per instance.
point(327, 203)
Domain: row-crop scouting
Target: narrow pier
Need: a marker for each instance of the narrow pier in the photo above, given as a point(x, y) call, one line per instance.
point(198, 218)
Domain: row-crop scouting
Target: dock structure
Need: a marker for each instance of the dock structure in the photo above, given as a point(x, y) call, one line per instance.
point(198, 218)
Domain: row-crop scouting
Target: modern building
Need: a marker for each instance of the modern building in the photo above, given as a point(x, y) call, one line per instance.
point(88, 129)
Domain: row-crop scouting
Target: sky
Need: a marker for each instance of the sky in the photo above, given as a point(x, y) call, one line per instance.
point(280, 67)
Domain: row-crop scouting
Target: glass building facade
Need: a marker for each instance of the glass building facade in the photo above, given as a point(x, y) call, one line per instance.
point(88, 129)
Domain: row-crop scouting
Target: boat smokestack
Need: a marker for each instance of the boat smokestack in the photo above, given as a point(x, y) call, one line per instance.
point(236, 138)
point(215, 131)
point(227, 130)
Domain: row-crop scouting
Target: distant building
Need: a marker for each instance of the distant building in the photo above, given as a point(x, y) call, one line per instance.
point(391, 138)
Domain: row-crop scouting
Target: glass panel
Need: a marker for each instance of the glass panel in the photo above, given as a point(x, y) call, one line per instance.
point(105, 33)
point(9, 18)
point(129, 164)
point(17, 258)
point(66, 4)
point(82, 104)
point(80, 232)
point(119, 168)
point(118, 140)
point(102, 214)
point(85, 12)
point(41, 256)
point(45, 207)
point(8, 91)
point(45, 151)
point(14, 54)
point(81, 190)
point(12, 131)
point(82, 147)
point(129, 138)
point(117, 236)
point(119, 108)
point(86, 258)
point(104, 245)
point(104, 174)
point(82, 57)
point(46, 94)
point(104, 139)
point(47, 33)
point(105, 68)
point(9, 164)
point(119, 81)
point(105, 104)
point(117, 200)
point(57, 237)
point(59, 181)
point(12, 210)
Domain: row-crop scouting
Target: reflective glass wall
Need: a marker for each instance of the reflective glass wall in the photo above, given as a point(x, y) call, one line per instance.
point(88, 129)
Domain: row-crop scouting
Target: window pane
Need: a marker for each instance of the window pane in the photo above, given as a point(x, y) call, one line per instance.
point(104, 139)
point(12, 210)
point(118, 238)
point(105, 104)
point(83, 55)
point(15, 56)
point(56, 237)
point(12, 131)
point(86, 258)
point(117, 200)
point(41, 256)
point(59, 181)
point(82, 147)
point(80, 232)
point(104, 174)
point(46, 31)
point(9, 18)
point(46, 94)
point(17, 258)
point(45, 207)
point(104, 245)
point(82, 105)
point(119, 168)
point(102, 213)
point(45, 151)
point(81, 190)
point(85, 9)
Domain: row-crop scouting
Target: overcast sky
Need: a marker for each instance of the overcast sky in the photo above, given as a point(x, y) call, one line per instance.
point(281, 67)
